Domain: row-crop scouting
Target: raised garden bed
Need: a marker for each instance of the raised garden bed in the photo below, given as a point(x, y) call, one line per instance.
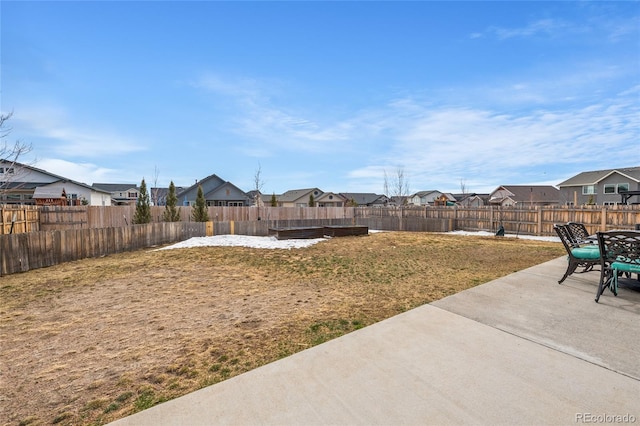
point(297, 233)
point(345, 231)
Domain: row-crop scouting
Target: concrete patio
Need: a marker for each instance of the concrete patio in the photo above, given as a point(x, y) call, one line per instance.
point(518, 350)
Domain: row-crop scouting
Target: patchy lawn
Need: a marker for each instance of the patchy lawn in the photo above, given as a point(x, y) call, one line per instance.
point(91, 341)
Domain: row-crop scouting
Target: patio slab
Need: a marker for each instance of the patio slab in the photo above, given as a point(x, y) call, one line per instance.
point(531, 305)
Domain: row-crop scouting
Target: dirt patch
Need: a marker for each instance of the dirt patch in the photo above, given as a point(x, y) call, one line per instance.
point(92, 341)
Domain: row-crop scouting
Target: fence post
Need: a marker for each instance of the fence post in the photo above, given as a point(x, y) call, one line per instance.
point(540, 210)
point(603, 220)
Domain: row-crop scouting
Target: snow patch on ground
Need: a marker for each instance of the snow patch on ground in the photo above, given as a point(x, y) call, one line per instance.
point(244, 241)
point(273, 243)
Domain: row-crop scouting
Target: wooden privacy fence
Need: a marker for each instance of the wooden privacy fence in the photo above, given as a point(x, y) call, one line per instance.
point(26, 251)
point(18, 219)
point(529, 221)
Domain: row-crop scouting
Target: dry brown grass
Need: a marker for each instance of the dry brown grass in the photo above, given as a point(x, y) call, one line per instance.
point(92, 341)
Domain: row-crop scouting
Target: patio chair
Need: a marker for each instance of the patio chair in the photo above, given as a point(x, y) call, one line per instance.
point(621, 255)
point(579, 233)
point(585, 257)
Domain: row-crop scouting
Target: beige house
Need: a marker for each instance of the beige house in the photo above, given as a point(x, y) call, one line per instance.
point(298, 197)
point(426, 198)
point(329, 199)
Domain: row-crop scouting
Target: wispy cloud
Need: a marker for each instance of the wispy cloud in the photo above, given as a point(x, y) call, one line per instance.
point(257, 117)
point(545, 27)
point(81, 172)
point(441, 144)
point(602, 26)
point(73, 140)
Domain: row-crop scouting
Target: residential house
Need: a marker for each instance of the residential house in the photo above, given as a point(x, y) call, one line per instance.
point(471, 199)
point(524, 195)
point(298, 197)
point(428, 198)
point(217, 192)
point(445, 200)
point(329, 199)
point(604, 187)
point(122, 194)
point(19, 182)
point(368, 199)
point(75, 194)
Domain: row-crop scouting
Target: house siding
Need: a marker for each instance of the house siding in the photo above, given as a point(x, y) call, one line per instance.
point(571, 193)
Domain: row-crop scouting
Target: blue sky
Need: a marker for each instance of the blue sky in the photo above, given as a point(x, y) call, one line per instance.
point(324, 94)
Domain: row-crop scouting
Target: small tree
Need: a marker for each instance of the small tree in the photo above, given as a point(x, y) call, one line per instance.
point(143, 209)
point(274, 200)
point(312, 201)
point(171, 212)
point(200, 213)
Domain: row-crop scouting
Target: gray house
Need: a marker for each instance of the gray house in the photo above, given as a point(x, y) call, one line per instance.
point(217, 192)
point(603, 187)
point(365, 199)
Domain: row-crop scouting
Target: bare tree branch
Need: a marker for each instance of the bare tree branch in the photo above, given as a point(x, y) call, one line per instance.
point(155, 189)
point(258, 183)
point(10, 153)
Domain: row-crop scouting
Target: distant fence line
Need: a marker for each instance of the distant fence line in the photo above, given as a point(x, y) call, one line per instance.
point(529, 221)
point(32, 250)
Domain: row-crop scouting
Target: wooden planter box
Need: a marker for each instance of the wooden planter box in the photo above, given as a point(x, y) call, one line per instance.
point(297, 233)
point(345, 231)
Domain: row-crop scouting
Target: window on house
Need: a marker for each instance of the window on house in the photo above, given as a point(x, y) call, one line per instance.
point(588, 189)
point(623, 187)
point(609, 188)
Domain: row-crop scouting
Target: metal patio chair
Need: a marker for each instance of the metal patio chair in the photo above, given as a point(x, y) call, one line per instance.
point(585, 257)
point(579, 233)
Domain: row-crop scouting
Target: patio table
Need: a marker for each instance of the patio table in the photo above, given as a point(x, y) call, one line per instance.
point(619, 254)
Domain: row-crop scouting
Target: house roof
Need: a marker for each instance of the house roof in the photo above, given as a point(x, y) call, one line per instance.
point(362, 198)
point(45, 192)
point(296, 194)
point(83, 185)
point(593, 177)
point(25, 166)
point(202, 183)
point(461, 197)
point(535, 193)
point(328, 196)
point(115, 187)
point(213, 194)
point(424, 193)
